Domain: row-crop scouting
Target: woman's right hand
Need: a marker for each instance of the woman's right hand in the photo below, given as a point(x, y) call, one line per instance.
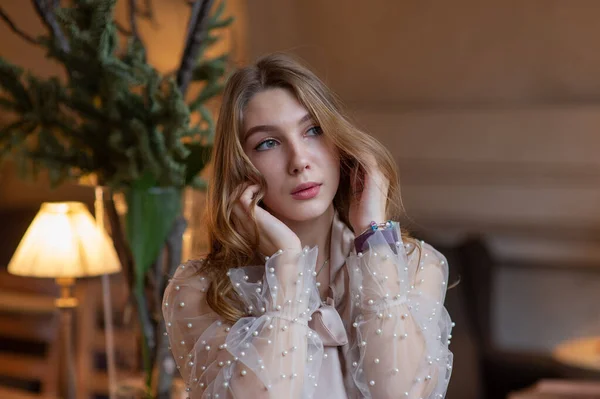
point(274, 234)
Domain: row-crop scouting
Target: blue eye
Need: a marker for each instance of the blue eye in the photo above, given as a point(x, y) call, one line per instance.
point(272, 143)
point(261, 146)
point(316, 130)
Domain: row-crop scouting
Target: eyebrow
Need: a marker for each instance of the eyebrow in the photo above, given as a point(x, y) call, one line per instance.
point(271, 128)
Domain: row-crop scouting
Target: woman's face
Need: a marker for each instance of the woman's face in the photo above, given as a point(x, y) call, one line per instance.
point(288, 147)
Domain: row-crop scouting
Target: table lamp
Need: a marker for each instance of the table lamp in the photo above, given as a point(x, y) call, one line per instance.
point(64, 242)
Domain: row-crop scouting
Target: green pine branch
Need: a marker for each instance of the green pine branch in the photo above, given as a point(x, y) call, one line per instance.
point(115, 116)
point(131, 115)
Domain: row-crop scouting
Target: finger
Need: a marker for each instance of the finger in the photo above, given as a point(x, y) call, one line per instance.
point(248, 195)
point(370, 161)
point(371, 167)
point(241, 217)
point(241, 208)
point(374, 175)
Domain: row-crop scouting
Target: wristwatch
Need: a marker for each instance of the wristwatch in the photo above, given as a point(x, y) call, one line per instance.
point(386, 229)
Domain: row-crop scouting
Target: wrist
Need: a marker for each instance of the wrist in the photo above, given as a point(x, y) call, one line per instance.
point(373, 226)
point(386, 229)
point(291, 248)
point(362, 225)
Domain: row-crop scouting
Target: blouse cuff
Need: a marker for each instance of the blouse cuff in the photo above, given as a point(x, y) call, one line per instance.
point(275, 341)
point(286, 289)
point(396, 299)
point(382, 271)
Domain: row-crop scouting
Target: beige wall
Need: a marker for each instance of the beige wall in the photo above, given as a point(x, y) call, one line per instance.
point(424, 54)
point(492, 110)
point(489, 107)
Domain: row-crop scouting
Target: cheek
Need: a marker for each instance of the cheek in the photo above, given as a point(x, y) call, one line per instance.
point(262, 163)
point(331, 168)
point(273, 193)
point(271, 172)
point(332, 162)
point(271, 179)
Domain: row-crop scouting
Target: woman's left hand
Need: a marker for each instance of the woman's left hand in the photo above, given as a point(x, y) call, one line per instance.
point(370, 189)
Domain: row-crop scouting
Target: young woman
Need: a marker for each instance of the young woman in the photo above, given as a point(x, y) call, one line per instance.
point(309, 290)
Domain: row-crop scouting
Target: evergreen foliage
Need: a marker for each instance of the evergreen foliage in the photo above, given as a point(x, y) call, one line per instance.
point(115, 116)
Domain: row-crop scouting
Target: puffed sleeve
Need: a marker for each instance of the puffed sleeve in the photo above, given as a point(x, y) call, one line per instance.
point(271, 353)
point(402, 327)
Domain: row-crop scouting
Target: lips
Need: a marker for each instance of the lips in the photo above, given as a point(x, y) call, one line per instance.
point(304, 186)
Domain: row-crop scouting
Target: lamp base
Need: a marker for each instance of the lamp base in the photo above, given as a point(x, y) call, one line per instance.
point(66, 303)
point(66, 300)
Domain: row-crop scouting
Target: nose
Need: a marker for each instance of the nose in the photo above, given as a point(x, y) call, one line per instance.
point(299, 159)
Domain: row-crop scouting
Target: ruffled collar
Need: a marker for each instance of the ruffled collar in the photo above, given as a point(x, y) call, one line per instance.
point(326, 320)
point(342, 241)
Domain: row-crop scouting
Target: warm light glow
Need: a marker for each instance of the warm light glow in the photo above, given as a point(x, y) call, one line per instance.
point(64, 241)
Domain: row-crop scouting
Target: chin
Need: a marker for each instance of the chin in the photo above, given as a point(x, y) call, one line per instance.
point(301, 211)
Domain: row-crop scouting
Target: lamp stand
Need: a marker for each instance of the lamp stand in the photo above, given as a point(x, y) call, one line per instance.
point(66, 303)
point(108, 322)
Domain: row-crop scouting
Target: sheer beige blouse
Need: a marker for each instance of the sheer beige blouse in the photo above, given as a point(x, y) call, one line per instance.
point(382, 331)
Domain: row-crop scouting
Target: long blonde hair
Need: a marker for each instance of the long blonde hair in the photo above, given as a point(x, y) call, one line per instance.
point(229, 247)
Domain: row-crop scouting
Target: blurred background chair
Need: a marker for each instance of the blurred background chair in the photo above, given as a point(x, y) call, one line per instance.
point(501, 371)
point(481, 369)
point(28, 338)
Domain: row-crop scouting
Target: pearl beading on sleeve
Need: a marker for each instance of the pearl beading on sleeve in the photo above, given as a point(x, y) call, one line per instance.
point(271, 352)
point(402, 328)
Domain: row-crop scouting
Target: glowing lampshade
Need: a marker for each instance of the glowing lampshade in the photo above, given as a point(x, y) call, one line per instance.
point(63, 241)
